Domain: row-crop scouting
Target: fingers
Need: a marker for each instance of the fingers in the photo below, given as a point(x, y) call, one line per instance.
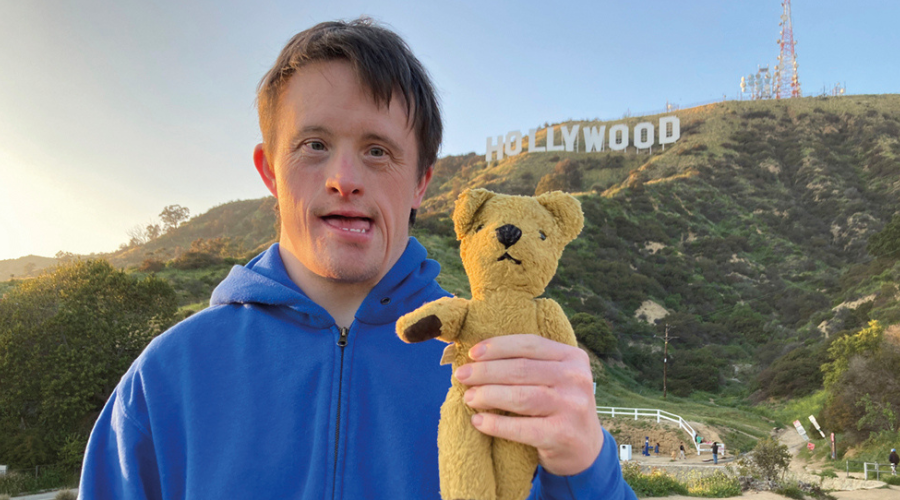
point(519, 371)
point(519, 346)
point(564, 449)
point(528, 430)
point(533, 401)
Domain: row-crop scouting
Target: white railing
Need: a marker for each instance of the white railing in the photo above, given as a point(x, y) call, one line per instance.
point(659, 415)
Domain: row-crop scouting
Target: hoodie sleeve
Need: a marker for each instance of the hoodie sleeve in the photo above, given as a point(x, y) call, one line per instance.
point(601, 481)
point(120, 461)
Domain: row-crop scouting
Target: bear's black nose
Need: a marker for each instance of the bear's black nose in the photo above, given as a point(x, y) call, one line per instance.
point(508, 235)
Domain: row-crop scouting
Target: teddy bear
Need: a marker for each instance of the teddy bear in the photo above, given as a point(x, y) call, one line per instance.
point(510, 247)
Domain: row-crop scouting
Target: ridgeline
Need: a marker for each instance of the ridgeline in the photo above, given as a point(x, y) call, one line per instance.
point(749, 238)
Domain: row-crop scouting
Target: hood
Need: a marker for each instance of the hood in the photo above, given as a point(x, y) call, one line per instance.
point(265, 281)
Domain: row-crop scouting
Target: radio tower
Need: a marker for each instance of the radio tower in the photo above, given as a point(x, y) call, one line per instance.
point(787, 83)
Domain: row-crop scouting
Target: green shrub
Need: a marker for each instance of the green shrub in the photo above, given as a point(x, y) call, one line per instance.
point(893, 480)
point(828, 473)
point(769, 459)
point(50, 478)
point(790, 491)
point(65, 495)
point(717, 485)
point(656, 484)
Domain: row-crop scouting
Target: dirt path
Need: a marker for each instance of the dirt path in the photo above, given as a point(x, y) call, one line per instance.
point(890, 493)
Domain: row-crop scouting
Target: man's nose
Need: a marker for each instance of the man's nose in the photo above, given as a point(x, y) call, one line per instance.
point(345, 175)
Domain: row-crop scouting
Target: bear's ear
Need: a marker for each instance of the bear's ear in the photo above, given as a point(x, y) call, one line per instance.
point(567, 212)
point(467, 206)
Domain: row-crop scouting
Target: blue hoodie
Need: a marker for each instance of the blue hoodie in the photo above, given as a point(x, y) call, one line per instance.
point(263, 396)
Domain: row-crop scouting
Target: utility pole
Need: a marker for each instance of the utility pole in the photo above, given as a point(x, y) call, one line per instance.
point(666, 361)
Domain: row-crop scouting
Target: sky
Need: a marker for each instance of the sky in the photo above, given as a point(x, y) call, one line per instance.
point(111, 110)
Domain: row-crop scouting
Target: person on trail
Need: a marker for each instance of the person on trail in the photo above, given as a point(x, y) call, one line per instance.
point(894, 459)
point(681, 451)
point(715, 450)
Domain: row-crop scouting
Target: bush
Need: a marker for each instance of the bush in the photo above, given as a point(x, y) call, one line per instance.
point(65, 495)
point(893, 480)
point(152, 266)
point(790, 491)
point(50, 478)
point(828, 473)
point(717, 485)
point(655, 484)
point(769, 459)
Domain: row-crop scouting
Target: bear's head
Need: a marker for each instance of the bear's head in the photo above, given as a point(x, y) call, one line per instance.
point(513, 243)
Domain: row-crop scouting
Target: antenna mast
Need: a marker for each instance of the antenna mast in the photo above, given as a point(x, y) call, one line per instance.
point(787, 83)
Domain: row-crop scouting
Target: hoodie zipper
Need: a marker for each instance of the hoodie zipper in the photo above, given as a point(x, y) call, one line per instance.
point(342, 343)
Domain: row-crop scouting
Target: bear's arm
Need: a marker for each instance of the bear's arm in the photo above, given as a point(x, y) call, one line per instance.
point(553, 323)
point(441, 319)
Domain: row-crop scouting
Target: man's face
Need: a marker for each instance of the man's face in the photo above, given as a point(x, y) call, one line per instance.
point(344, 172)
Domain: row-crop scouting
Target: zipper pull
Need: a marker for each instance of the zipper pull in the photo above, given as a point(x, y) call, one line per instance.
point(343, 340)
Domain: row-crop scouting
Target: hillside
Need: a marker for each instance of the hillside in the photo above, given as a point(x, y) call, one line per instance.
point(747, 237)
point(23, 267)
point(750, 232)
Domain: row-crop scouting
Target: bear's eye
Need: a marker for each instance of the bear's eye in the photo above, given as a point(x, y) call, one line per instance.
point(479, 228)
point(543, 236)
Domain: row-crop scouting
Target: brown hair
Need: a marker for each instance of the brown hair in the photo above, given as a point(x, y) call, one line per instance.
point(384, 64)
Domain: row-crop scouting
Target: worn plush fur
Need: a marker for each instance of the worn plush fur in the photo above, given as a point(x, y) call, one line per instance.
point(510, 246)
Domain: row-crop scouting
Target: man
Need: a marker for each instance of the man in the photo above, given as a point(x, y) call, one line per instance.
point(681, 451)
point(293, 383)
point(715, 452)
point(894, 459)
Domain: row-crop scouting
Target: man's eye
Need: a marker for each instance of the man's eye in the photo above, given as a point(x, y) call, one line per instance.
point(377, 152)
point(316, 145)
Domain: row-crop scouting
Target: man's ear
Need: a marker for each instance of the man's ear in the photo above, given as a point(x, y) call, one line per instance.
point(421, 187)
point(567, 212)
point(265, 169)
point(467, 205)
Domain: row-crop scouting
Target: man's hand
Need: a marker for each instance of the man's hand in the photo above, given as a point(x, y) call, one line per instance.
point(547, 382)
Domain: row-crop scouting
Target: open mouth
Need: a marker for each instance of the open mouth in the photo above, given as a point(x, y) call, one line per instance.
point(506, 256)
point(359, 225)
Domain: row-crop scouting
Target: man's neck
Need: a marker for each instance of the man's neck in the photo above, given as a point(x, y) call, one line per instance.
point(340, 299)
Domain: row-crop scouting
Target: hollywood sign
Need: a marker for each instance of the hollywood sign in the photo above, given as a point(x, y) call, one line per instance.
point(594, 138)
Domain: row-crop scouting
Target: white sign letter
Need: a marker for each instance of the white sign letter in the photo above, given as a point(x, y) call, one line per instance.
point(569, 137)
point(615, 142)
point(643, 135)
point(593, 138)
point(514, 143)
point(550, 141)
point(532, 142)
point(491, 148)
point(669, 129)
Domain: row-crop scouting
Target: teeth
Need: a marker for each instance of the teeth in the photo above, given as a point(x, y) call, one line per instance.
point(354, 230)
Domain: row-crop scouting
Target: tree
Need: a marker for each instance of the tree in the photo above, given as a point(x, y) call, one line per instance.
point(566, 176)
point(769, 459)
point(844, 348)
point(887, 242)
point(136, 236)
point(865, 397)
point(594, 333)
point(173, 215)
point(66, 338)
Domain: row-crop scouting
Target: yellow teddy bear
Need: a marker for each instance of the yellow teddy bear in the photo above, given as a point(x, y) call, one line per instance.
point(510, 246)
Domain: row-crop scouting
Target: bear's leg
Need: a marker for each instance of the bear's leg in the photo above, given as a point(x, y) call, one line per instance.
point(514, 466)
point(464, 453)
